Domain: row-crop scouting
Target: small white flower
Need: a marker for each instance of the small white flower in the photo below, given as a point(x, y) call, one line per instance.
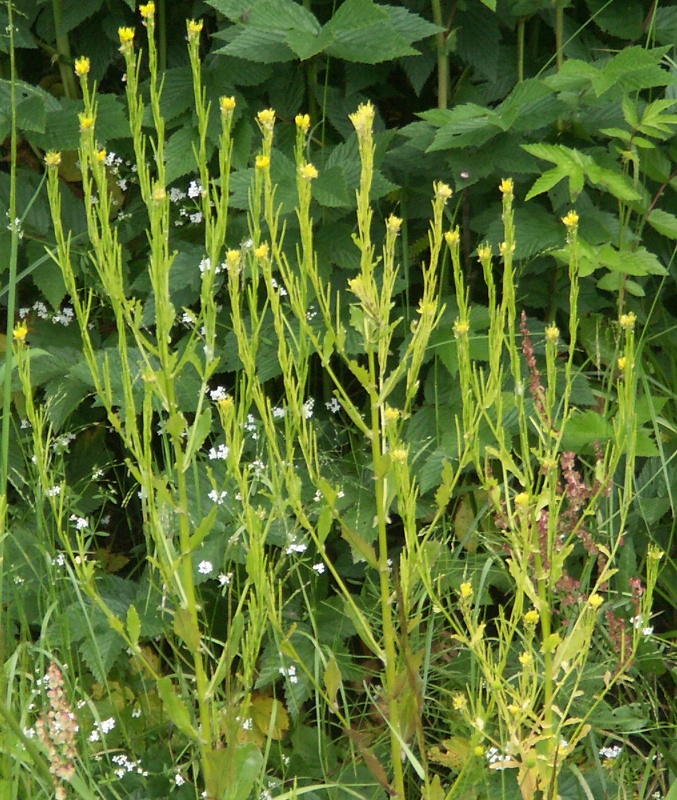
point(611, 752)
point(220, 453)
point(217, 497)
point(53, 491)
point(225, 578)
point(218, 394)
point(319, 568)
point(205, 567)
point(296, 548)
point(195, 190)
point(80, 522)
point(308, 408)
point(195, 217)
point(179, 780)
point(176, 195)
point(279, 412)
point(247, 724)
point(333, 405)
point(206, 264)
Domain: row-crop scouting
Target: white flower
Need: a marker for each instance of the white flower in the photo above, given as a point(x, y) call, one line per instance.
point(319, 568)
point(611, 752)
point(296, 548)
point(205, 264)
point(195, 190)
point(225, 578)
point(220, 453)
point(107, 725)
point(279, 412)
point(333, 405)
point(175, 195)
point(308, 408)
point(80, 522)
point(54, 491)
point(218, 394)
point(195, 217)
point(217, 497)
point(205, 567)
point(289, 672)
point(179, 780)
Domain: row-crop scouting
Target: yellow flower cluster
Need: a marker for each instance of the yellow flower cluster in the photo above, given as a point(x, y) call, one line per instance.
point(452, 238)
point(571, 219)
point(227, 105)
point(52, 158)
point(266, 118)
point(147, 10)
point(194, 28)
point(308, 172)
point(82, 66)
point(303, 122)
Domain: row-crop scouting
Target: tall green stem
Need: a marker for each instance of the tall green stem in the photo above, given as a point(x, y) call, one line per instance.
point(63, 49)
point(442, 57)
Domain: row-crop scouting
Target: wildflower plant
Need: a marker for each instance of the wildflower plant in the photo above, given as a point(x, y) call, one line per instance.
point(244, 518)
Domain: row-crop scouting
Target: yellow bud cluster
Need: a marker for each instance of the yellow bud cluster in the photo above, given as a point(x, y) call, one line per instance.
point(552, 333)
point(147, 10)
point(442, 191)
point(126, 36)
point(266, 118)
point(262, 162)
point(82, 66)
point(227, 105)
point(194, 29)
point(308, 172)
point(627, 321)
point(452, 238)
point(507, 186)
point(393, 224)
point(52, 158)
point(571, 219)
point(86, 122)
point(261, 252)
point(302, 122)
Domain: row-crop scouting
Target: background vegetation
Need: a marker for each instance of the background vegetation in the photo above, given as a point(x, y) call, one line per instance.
point(338, 439)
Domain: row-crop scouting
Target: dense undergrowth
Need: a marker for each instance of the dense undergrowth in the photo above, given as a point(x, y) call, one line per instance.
point(338, 439)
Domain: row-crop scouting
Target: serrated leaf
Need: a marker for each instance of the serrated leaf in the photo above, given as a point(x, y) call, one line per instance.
point(411, 26)
point(584, 429)
point(663, 222)
point(370, 45)
point(269, 716)
point(179, 153)
point(175, 708)
point(307, 44)
point(262, 46)
point(331, 189)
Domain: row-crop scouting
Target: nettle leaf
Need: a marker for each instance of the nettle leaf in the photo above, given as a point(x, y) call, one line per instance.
point(307, 44)
point(412, 26)
point(584, 429)
point(282, 15)
point(177, 92)
point(180, 153)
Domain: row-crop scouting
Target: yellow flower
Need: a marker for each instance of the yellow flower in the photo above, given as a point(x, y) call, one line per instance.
point(622, 363)
point(442, 191)
point(266, 118)
point(52, 158)
point(628, 321)
point(525, 659)
point(504, 249)
point(393, 224)
point(595, 600)
point(531, 617)
point(522, 500)
point(194, 28)
point(484, 252)
point(20, 332)
point(506, 186)
point(552, 333)
point(261, 251)
point(426, 309)
point(86, 122)
point(391, 414)
point(308, 172)
point(126, 37)
point(571, 219)
point(101, 155)
point(466, 591)
point(461, 328)
point(262, 162)
point(147, 11)
point(452, 238)
point(225, 403)
point(159, 193)
point(82, 66)
point(233, 258)
point(399, 455)
point(655, 553)
point(302, 122)
point(363, 119)
point(459, 702)
point(227, 105)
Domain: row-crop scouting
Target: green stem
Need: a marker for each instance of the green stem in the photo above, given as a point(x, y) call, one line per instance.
point(11, 281)
point(442, 57)
point(520, 49)
point(63, 49)
point(559, 35)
